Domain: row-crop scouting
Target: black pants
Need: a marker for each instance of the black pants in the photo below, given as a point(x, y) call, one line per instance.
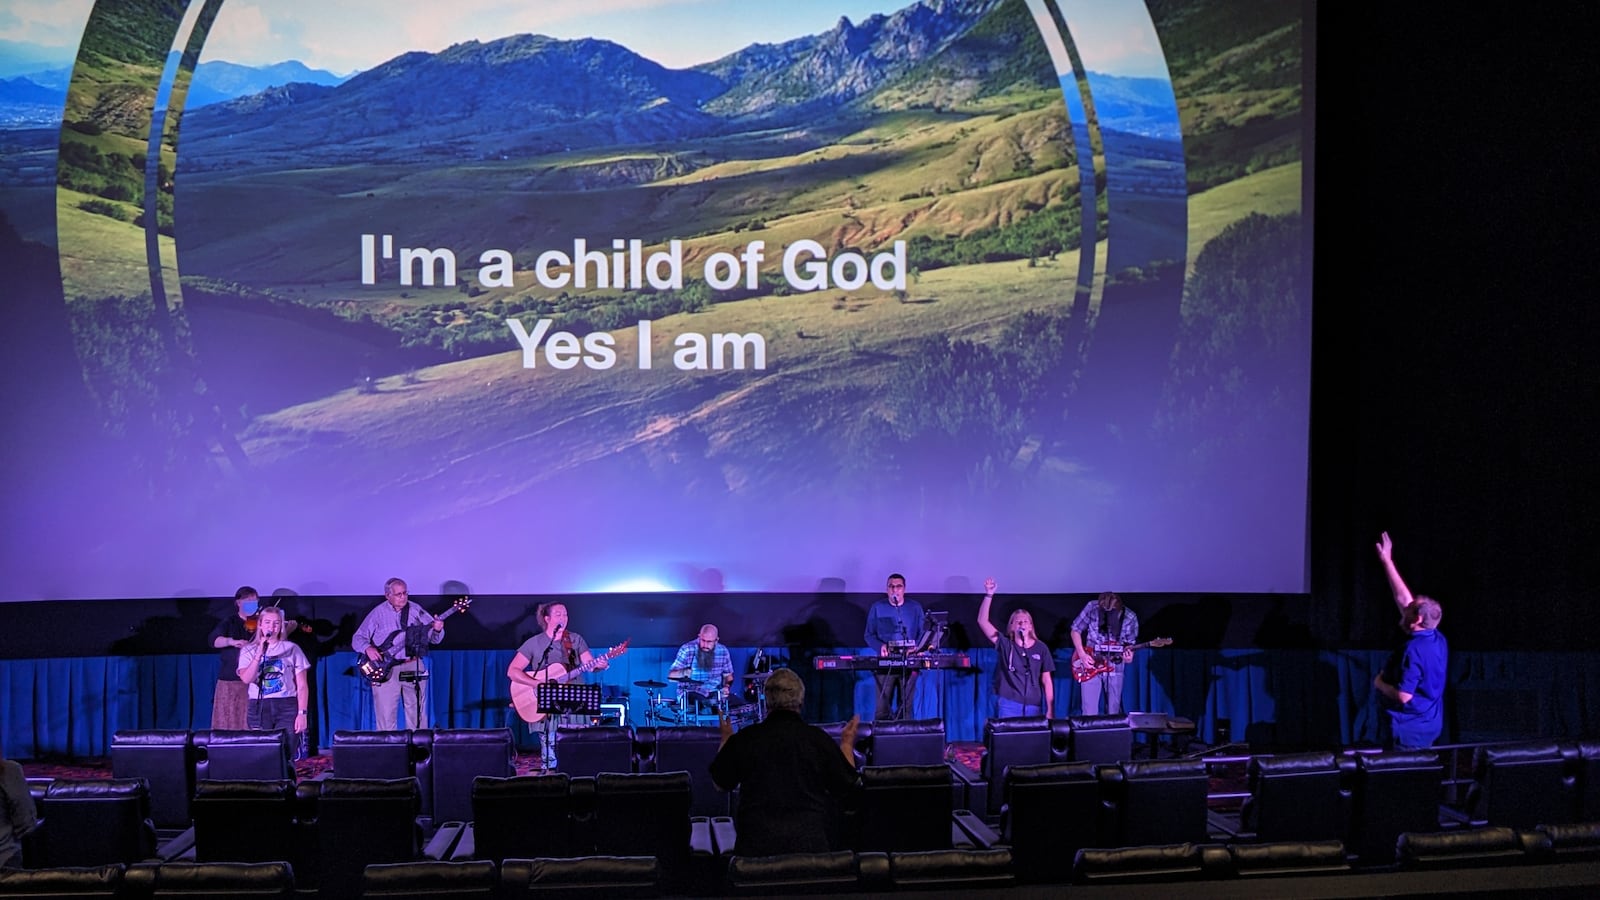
point(904, 686)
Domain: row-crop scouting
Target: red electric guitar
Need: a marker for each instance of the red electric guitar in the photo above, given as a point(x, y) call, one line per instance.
point(525, 697)
point(1105, 662)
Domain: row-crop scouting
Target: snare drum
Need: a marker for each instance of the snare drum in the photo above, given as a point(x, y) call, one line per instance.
point(742, 715)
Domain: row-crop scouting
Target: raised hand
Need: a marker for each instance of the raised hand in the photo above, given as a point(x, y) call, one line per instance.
point(1385, 548)
point(989, 586)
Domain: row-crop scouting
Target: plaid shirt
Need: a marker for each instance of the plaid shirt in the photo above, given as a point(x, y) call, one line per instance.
point(689, 658)
point(1088, 624)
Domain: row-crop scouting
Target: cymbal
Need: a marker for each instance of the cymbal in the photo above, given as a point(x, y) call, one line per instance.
point(758, 676)
point(650, 684)
point(687, 681)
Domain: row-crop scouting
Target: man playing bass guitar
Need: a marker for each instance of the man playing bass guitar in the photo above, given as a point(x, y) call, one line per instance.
point(397, 613)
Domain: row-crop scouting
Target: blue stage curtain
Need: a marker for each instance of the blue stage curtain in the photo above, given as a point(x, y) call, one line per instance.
point(1282, 698)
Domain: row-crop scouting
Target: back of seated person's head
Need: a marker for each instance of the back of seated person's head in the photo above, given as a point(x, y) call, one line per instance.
point(785, 690)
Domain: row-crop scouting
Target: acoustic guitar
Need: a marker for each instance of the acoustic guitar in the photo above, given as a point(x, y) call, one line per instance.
point(525, 697)
point(1105, 662)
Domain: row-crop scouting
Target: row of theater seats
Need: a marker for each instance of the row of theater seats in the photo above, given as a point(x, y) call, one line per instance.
point(1420, 851)
point(542, 878)
point(443, 762)
point(1034, 741)
point(1050, 811)
point(1311, 796)
point(1555, 860)
point(330, 829)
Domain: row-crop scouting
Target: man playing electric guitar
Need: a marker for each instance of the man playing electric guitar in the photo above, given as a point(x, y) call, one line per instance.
point(397, 613)
point(554, 646)
point(1104, 622)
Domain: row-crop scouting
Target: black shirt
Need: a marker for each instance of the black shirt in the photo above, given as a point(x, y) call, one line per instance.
point(234, 629)
point(791, 778)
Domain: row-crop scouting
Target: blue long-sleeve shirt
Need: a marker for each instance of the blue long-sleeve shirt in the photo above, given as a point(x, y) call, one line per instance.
point(893, 626)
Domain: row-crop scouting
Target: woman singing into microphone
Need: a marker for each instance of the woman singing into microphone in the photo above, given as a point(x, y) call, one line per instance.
point(1022, 682)
point(275, 670)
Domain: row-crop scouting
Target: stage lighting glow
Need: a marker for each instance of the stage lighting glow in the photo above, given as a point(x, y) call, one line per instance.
point(633, 586)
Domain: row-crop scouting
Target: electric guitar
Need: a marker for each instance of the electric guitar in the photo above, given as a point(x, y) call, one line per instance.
point(376, 671)
point(525, 697)
point(1103, 662)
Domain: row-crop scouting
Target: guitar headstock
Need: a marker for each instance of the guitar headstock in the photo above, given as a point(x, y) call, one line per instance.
point(1161, 642)
point(462, 604)
point(619, 649)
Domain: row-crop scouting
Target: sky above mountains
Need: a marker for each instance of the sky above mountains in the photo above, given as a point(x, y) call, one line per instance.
point(353, 35)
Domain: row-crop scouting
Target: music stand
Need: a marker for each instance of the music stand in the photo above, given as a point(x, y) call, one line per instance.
point(935, 624)
point(415, 679)
point(556, 700)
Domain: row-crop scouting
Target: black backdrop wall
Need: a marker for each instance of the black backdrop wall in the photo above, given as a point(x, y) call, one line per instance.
point(1454, 387)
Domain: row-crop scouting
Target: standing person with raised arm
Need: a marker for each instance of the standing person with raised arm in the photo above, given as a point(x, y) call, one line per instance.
point(1413, 688)
point(893, 625)
point(1023, 682)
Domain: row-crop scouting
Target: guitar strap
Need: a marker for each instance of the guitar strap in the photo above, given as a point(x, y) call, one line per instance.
point(566, 647)
point(405, 639)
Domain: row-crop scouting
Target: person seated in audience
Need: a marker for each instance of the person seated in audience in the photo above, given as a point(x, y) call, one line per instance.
point(1413, 686)
point(1023, 685)
point(17, 813)
point(791, 776)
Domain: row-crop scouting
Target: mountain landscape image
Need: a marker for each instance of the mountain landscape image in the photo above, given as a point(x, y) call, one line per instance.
point(1100, 339)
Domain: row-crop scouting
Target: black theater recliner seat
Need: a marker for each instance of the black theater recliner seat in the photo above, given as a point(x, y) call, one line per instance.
point(1155, 801)
point(1523, 785)
point(581, 878)
point(165, 760)
point(522, 817)
point(1392, 793)
point(465, 880)
point(85, 882)
point(590, 751)
point(1051, 812)
point(242, 755)
point(1022, 741)
point(358, 822)
point(691, 749)
point(904, 808)
point(247, 821)
point(93, 822)
point(1296, 797)
point(461, 755)
point(218, 879)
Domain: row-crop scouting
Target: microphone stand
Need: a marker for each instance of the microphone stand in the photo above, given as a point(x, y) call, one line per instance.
point(547, 748)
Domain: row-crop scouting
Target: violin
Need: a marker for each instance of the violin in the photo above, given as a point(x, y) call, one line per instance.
point(250, 622)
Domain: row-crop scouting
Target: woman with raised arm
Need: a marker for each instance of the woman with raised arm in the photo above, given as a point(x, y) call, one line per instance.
point(1023, 685)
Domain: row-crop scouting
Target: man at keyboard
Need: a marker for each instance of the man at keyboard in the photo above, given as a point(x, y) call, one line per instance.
point(893, 626)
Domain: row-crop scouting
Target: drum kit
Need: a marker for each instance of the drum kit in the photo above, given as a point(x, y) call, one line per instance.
point(700, 702)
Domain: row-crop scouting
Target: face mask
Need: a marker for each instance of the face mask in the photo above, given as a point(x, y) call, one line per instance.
point(249, 607)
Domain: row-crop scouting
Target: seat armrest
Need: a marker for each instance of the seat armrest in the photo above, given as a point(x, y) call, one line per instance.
point(170, 850)
point(973, 831)
point(723, 835)
point(443, 841)
point(467, 844)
